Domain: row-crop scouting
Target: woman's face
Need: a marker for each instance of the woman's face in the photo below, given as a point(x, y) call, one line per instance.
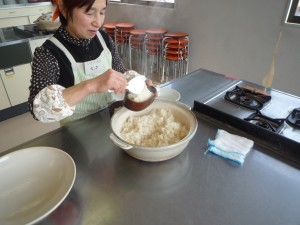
point(84, 25)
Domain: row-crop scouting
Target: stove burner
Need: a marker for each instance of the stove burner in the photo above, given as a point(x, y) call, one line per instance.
point(245, 100)
point(250, 99)
point(258, 119)
point(294, 118)
point(265, 125)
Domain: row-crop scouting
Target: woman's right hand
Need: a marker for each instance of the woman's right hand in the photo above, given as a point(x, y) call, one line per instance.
point(109, 80)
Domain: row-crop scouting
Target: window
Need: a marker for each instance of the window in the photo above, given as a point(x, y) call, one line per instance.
point(293, 13)
point(157, 3)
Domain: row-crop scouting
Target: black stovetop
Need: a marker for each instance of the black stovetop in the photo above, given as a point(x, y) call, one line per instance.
point(276, 107)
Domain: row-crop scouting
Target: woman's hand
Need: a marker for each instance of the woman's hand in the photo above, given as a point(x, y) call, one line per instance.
point(150, 83)
point(109, 80)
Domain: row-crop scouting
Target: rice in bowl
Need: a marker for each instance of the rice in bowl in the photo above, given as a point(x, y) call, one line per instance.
point(157, 128)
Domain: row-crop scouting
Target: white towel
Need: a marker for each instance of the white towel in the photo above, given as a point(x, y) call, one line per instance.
point(230, 146)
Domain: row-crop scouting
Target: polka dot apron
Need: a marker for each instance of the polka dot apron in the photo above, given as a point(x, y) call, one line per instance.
point(85, 71)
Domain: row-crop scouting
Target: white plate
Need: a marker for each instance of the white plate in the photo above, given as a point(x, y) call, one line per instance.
point(168, 94)
point(33, 182)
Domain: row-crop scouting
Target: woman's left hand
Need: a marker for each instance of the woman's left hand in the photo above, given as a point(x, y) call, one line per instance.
point(150, 83)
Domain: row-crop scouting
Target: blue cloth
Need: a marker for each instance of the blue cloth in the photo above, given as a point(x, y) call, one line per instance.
point(230, 146)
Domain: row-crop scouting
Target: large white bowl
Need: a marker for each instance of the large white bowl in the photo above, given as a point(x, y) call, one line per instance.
point(154, 154)
point(33, 182)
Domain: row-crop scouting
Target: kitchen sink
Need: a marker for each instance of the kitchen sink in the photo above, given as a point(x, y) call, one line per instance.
point(15, 40)
point(8, 34)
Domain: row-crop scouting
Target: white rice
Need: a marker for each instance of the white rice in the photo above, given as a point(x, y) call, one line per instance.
point(158, 128)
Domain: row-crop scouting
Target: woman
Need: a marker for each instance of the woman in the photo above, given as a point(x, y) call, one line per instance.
point(73, 70)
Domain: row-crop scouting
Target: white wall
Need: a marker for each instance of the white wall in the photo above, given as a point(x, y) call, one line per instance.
point(232, 37)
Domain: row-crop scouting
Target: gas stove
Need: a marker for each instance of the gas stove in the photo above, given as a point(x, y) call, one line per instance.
point(270, 124)
point(247, 97)
point(268, 116)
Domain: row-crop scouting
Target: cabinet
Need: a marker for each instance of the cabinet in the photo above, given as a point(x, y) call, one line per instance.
point(22, 15)
point(13, 11)
point(14, 21)
point(16, 81)
point(15, 75)
point(4, 102)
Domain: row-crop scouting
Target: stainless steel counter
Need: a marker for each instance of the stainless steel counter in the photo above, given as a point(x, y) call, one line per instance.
point(193, 188)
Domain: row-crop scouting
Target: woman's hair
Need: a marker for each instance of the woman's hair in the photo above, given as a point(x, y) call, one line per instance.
point(69, 6)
